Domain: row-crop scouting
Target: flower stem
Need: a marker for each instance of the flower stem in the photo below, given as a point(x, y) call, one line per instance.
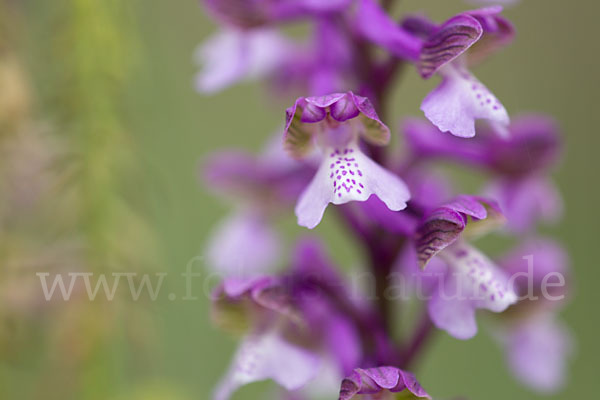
point(418, 341)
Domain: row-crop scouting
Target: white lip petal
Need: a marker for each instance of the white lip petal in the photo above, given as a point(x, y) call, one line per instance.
point(346, 174)
point(459, 100)
point(268, 356)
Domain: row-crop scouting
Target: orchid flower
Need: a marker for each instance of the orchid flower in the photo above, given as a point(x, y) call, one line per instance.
point(518, 165)
point(472, 281)
point(521, 165)
point(527, 200)
point(537, 352)
point(335, 123)
point(536, 342)
point(232, 56)
point(292, 330)
point(246, 244)
point(305, 329)
point(461, 98)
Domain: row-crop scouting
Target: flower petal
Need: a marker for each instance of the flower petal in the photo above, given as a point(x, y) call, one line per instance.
point(538, 350)
point(232, 56)
point(268, 356)
point(548, 257)
point(377, 381)
point(267, 182)
point(452, 39)
point(307, 115)
point(375, 131)
point(534, 145)
point(343, 341)
point(348, 175)
point(399, 223)
point(248, 304)
point(461, 99)
point(374, 24)
point(455, 316)
point(527, 201)
point(443, 225)
point(497, 32)
point(439, 229)
point(427, 141)
point(472, 282)
point(243, 245)
point(311, 263)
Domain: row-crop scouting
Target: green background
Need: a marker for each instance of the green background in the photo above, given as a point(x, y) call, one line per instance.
point(551, 67)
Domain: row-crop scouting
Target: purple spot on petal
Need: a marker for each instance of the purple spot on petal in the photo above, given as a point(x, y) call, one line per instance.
point(461, 253)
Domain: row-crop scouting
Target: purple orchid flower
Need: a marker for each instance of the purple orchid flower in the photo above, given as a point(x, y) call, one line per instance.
point(265, 352)
point(518, 165)
point(537, 352)
point(305, 329)
point(526, 201)
point(472, 280)
point(336, 123)
point(231, 56)
point(246, 244)
point(537, 344)
point(293, 330)
point(381, 383)
point(448, 49)
point(533, 146)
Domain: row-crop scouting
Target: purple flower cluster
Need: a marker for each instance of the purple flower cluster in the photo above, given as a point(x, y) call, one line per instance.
point(308, 327)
